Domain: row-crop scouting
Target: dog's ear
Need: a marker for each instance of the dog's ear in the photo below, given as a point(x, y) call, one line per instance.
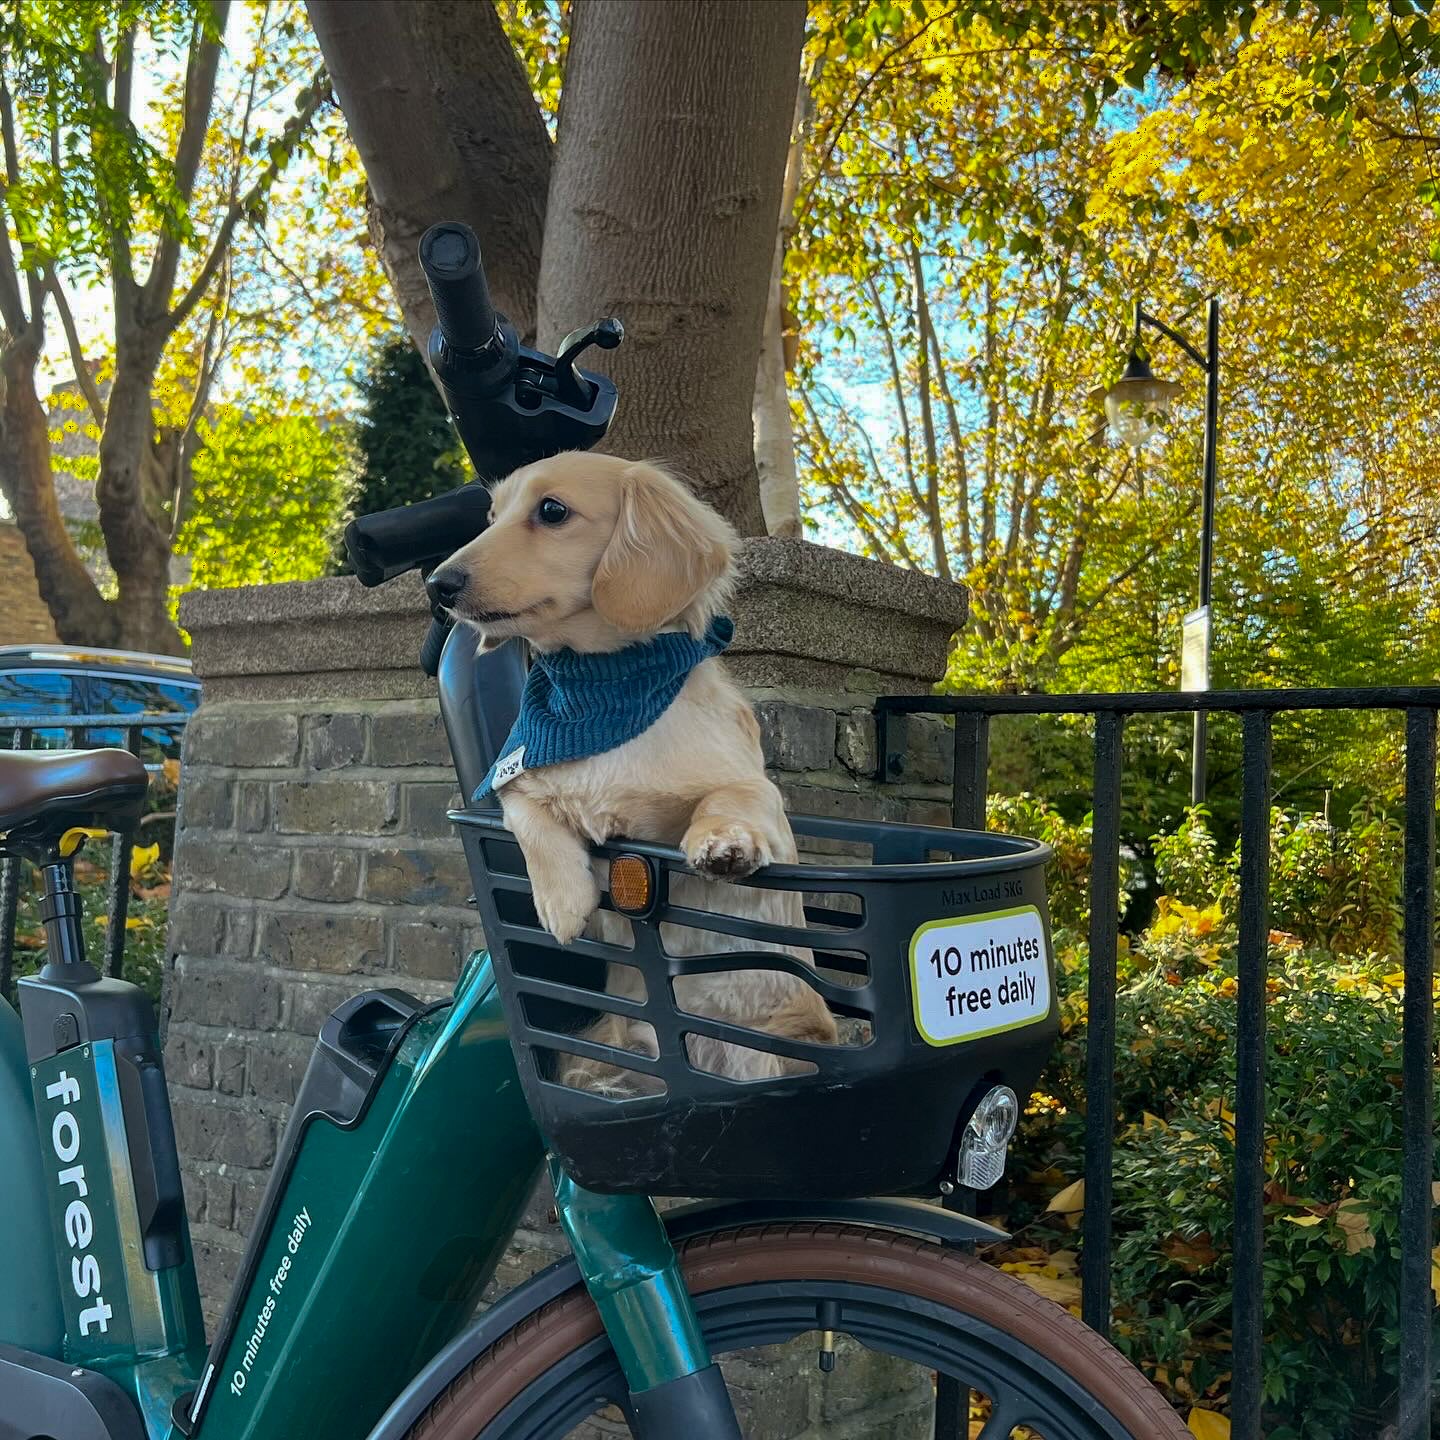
point(670, 556)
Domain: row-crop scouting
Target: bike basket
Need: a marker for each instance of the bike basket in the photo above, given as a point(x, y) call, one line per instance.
point(931, 948)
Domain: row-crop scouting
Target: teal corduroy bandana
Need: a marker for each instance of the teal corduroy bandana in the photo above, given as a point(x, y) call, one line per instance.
point(578, 705)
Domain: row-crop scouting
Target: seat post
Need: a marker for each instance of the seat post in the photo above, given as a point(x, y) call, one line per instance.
point(61, 910)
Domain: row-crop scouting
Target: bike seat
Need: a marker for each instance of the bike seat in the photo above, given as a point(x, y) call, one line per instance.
point(43, 793)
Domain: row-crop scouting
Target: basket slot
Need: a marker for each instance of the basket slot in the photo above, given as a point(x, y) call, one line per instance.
point(802, 1067)
point(847, 997)
point(682, 917)
point(558, 967)
point(525, 935)
point(570, 1044)
point(503, 857)
point(819, 914)
point(571, 1014)
point(844, 962)
point(630, 1085)
point(591, 1000)
point(748, 1039)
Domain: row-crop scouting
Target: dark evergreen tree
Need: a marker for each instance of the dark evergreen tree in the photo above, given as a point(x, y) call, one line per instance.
point(408, 448)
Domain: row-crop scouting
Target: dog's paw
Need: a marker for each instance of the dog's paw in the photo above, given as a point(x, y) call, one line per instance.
point(565, 909)
point(727, 852)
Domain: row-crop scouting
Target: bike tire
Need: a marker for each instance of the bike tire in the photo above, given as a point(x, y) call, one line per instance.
point(759, 1285)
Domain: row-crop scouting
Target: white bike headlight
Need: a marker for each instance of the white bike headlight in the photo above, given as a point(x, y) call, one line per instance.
point(987, 1137)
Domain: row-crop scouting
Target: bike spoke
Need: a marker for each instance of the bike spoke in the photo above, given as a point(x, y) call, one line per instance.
point(1004, 1417)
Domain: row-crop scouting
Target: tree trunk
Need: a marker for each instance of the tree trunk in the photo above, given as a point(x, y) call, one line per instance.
point(441, 112)
point(663, 210)
point(137, 544)
point(774, 429)
point(81, 614)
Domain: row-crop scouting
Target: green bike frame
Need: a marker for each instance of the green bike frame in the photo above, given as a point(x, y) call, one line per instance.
point(409, 1159)
point(380, 1228)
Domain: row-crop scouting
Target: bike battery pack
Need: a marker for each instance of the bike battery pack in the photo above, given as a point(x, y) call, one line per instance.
point(406, 1162)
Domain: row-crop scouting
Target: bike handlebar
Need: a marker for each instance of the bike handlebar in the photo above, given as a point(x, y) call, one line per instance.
point(450, 257)
point(511, 405)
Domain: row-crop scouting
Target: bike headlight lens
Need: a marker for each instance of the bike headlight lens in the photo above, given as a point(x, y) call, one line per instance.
point(995, 1118)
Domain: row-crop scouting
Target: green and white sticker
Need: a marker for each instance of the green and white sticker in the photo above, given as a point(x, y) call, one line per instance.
point(979, 975)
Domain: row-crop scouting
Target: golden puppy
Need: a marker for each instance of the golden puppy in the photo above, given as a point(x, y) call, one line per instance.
point(594, 555)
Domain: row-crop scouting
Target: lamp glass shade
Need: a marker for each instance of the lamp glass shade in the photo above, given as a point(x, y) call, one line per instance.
point(1137, 403)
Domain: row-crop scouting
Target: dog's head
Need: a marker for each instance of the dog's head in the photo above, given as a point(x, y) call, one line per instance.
point(589, 552)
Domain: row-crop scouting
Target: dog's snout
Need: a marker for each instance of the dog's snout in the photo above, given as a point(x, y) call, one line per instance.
point(444, 585)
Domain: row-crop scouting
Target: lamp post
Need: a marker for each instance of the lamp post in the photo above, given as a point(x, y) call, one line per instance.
point(1135, 406)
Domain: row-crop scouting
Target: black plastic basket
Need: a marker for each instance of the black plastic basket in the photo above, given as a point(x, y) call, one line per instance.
point(883, 1112)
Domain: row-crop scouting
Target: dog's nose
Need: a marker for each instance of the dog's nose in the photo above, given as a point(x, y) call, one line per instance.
point(444, 585)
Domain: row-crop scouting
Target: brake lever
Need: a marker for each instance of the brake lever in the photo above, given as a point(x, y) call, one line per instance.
point(574, 389)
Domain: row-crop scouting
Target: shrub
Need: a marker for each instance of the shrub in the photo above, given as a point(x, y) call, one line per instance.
point(1333, 1141)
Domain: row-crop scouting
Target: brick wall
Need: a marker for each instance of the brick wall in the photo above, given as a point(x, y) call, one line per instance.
point(24, 618)
point(313, 858)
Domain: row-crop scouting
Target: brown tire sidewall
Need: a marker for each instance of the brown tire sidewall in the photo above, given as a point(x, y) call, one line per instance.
point(844, 1254)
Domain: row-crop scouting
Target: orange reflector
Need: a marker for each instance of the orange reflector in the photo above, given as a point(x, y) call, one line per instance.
point(631, 883)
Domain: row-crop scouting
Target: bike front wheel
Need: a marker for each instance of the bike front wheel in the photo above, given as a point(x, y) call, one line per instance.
point(1043, 1372)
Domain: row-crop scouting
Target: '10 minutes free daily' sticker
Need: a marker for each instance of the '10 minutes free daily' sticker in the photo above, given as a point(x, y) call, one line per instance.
point(979, 975)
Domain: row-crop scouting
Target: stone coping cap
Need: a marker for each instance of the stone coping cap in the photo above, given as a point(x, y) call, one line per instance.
point(337, 597)
point(856, 579)
point(791, 594)
point(787, 564)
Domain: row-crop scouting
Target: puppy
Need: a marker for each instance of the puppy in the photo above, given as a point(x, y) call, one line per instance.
point(590, 555)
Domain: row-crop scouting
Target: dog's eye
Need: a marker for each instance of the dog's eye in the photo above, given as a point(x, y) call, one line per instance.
point(551, 511)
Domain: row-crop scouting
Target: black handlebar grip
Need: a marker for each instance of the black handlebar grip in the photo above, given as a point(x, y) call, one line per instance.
point(390, 542)
point(450, 258)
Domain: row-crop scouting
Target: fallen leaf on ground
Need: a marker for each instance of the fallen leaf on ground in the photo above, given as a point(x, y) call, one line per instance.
point(1305, 1220)
point(1062, 1289)
point(1207, 1425)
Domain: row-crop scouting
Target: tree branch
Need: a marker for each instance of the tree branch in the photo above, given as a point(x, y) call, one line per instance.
point(12, 306)
point(211, 354)
point(200, 73)
point(898, 48)
point(892, 354)
point(315, 94)
point(927, 417)
point(121, 261)
point(83, 377)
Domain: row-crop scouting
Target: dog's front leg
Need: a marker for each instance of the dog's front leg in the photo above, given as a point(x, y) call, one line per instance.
point(565, 891)
point(736, 829)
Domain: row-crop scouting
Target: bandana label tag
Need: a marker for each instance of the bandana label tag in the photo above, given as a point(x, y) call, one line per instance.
point(508, 768)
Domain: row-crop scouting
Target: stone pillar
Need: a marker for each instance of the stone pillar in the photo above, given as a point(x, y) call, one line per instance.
point(313, 856)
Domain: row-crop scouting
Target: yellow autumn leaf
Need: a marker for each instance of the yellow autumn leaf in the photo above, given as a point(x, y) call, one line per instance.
point(1435, 1272)
point(1070, 1201)
point(1207, 1425)
point(1062, 1289)
point(1306, 1221)
point(142, 857)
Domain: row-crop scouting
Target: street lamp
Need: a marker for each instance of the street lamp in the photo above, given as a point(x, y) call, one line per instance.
point(1136, 406)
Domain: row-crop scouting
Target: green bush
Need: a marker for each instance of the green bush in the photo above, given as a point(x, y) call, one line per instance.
point(1333, 1140)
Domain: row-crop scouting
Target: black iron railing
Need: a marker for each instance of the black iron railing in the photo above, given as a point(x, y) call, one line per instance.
point(142, 734)
point(1256, 709)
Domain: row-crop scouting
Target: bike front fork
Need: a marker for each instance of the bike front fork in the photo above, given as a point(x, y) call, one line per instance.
point(633, 1277)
